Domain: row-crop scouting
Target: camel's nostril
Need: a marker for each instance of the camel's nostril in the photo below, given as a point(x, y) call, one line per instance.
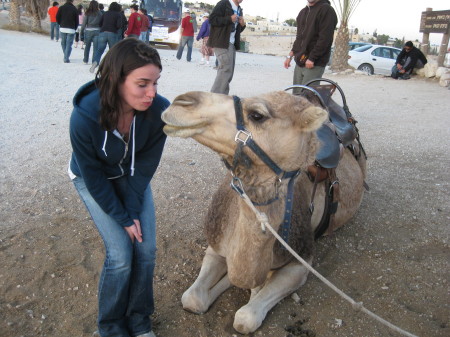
point(187, 99)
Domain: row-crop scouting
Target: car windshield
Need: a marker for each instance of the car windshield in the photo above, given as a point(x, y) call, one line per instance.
point(354, 45)
point(363, 48)
point(167, 10)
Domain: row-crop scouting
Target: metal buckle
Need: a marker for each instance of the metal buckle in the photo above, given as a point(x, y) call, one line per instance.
point(248, 135)
point(336, 182)
point(236, 184)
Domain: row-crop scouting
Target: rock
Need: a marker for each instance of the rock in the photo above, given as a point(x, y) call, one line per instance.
point(420, 72)
point(430, 69)
point(295, 297)
point(445, 79)
point(440, 71)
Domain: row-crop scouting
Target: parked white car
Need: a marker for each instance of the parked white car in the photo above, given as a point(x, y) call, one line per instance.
point(373, 59)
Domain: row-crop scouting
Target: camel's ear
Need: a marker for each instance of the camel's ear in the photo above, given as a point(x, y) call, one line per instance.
point(312, 118)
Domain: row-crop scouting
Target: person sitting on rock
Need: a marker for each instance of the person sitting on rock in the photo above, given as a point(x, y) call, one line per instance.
point(408, 59)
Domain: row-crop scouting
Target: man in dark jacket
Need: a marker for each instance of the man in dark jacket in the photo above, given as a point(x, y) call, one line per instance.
point(67, 18)
point(227, 23)
point(312, 47)
point(408, 59)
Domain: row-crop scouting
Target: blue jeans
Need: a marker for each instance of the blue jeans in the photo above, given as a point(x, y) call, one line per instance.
point(54, 30)
point(90, 36)
point(125, 291)
point(189, 40)
point(105, 38)
point(66, 44)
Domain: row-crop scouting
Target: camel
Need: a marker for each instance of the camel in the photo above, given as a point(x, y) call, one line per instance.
point(239, 253)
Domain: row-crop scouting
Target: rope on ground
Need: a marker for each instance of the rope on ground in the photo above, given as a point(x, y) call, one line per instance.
point(358, 306)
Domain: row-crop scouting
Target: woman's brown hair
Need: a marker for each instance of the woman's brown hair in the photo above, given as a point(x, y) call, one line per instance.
point(124, 57)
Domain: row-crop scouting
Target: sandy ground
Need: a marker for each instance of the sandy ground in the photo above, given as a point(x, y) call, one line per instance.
point(393, 256)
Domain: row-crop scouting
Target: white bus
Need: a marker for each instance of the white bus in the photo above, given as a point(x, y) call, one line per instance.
point(167, 16)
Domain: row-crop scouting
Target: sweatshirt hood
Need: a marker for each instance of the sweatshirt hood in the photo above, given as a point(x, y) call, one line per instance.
point(87, 102)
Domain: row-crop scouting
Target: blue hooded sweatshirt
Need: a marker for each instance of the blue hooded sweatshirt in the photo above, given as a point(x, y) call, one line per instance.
point(100, 156)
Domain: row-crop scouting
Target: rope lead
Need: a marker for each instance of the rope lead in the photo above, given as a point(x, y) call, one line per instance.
point(358, 306)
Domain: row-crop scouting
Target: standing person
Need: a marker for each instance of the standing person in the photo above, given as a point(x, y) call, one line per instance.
point(67, 18)
point(80, 10)
point(110, 24)
point(204, 35)
point(90, 29)
point(409, 58)
point(312, 47)
point(194, 21)
point(117, 139)
point(134, 23)
point(102, 8)
point(54, 27)
point(187, 36)
point(151, 20)
point(145, 24)
point(124, 26)
point(227, 23)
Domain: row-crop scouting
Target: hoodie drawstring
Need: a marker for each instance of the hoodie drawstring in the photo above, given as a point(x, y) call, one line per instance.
point(104, 143)
point(134, 146)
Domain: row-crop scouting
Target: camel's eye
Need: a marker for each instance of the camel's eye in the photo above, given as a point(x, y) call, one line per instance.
point(256, 116)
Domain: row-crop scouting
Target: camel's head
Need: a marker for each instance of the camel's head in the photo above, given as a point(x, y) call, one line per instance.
point(281, 124)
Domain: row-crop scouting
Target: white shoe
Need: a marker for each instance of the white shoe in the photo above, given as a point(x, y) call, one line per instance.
point(93, 66)
point(148, 334)
point(201, 62)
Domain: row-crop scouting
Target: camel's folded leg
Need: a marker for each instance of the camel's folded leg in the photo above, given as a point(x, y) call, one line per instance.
point(280, 284)
point(210, 283)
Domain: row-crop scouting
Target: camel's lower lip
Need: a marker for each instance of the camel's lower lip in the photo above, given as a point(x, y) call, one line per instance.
point(181, 131)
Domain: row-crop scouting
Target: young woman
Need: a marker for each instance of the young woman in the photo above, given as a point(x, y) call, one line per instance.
point(79, 37)
point(204, 35)
point(117, 141)
point(90, 30)
point(110, 24)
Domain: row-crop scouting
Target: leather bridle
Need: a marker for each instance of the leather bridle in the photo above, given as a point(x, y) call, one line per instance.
point(244, 138)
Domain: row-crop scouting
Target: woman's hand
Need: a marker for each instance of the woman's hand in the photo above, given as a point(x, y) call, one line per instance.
point(134, 231)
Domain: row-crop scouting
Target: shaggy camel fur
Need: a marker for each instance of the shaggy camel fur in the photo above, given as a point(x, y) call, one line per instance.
point(239, 253)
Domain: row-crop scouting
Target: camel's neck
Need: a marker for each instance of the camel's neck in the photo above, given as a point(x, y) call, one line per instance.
point(262, 188)
point(250, 255)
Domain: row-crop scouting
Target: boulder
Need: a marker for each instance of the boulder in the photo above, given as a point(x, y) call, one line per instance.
point(430, 69)
point(445, 79)
point(440, 71)
point(419, 72)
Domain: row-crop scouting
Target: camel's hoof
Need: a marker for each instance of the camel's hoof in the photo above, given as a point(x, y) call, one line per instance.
point(246, 321)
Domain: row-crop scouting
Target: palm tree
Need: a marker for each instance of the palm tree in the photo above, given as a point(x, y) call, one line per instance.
point(38, 11)
point(345, 9)
point(14, 13)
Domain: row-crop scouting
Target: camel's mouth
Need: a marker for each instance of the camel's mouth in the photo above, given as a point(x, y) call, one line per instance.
point(181, 119)
point(183, 131)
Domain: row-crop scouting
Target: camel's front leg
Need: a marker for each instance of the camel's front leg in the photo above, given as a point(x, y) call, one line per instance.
point(280, 284)
point(210, 283)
